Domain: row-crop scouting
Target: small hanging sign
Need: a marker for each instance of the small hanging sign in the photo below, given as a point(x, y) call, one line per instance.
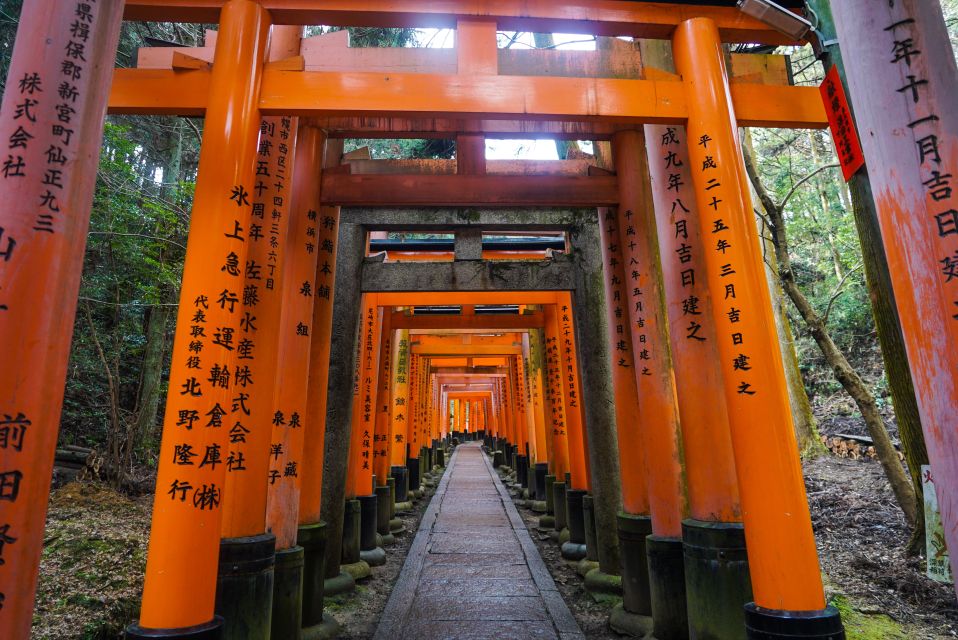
point(842, 124)
point(939, 567)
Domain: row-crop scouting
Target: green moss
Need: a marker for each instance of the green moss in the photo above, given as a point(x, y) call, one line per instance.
point(866, 626)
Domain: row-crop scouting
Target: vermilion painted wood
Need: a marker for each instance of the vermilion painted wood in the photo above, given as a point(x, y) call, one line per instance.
point(709, 461)
point(658, 417)
point(291, 388)
point(180, 585)
point(558, 401)
point(399, 402)
point(632, 449)
point(384, 383)
point(363, 425)
point(327, 228)
point(49, 171)
point(782, 556)
point(900, 72)
point(571, 380)
point(429, 96)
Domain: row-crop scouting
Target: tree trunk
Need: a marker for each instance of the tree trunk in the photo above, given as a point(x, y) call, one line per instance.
point(847, 376)
point(151, 376)
point(806, 428)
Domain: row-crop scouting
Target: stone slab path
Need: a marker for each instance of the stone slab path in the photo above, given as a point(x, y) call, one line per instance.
point(473, 572)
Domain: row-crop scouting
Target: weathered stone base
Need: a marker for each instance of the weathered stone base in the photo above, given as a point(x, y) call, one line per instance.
point(586, 565)
point(358, 570)
point(538, 506)
point(402, 507)
point(573, 552)
point(329, 628)
point(547, 523)
point(343, 583)
point(375, 557)
point(630, 624)
point(603, 587)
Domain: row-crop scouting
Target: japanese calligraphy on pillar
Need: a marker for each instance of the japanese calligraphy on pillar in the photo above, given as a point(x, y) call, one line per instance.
point(289, 394)
point(617, 297)
point(554, 387)
point(53, 84)
point(904, 87)
point(726, 257)
point(381, 436)
point(399, 410)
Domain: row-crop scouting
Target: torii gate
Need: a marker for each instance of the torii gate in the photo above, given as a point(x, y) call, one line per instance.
point(52, 117)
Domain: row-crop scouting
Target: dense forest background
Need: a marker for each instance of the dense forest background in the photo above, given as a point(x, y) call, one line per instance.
point(140, 221)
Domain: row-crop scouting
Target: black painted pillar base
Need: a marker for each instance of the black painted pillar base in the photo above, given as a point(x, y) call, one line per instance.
point(212, 630)
point(312, 538)
point(541, 471)
point(498, 458)
point(717, 579)
point(547, 522)
point(368, 509)
point(412, 466)
point(575, 549)
point(636, 593)
point(770, 624)
point(667, 583)
point(588, 517)
point(401, 474)
point(288, 594)
point(559, 506)
point(352, 532)
point(244, 586)
point(522, 470)
point(384, 505)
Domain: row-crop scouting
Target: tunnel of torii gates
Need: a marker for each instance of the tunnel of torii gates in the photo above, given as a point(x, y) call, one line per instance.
point(618, 368)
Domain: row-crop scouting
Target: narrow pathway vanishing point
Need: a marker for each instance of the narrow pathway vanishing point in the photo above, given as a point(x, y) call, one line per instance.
point(473, 571)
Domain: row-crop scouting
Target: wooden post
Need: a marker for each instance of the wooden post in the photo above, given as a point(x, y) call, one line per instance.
point(399, 406)
point(384, 383)
point(559, 461)
point(52, 123)
point(781, 547)
point(712, 486)
point(364, 401)
point(655, 381)
point(181, 568)
point(578, 446)
point(909, 132)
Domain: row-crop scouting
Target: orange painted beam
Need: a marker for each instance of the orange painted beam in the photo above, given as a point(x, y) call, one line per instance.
point(598, 17)
point(465, 350)
point(421, 95)
point(424, 298)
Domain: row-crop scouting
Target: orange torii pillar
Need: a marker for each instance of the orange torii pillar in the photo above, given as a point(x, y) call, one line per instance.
point(533, 349)
point(523, 413)
point(290, 394)
point(413, 435)
point(381, 441)
point(904, 87)
point(52, 121)
point(578, 446)
point(321, 240)
point(655, 381)
point(559, 460)
point(399, 417)
point(716, 592)
point(786, 578)
point(181, 569)
point(632, 442)
point(360, 547)
point(244, 595)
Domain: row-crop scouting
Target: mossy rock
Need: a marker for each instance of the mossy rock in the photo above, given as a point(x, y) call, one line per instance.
point(867, 626)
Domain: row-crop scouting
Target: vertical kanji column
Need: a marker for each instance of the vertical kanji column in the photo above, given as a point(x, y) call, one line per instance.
point(413, 431)
point(399, 414)
point(655, 382)
point(52, 124)
point(533, 351)
point(179, 589)
point(381, 443)
point(559, 458)
point(634, 522)
point(578, 449)
point(904, 87)
point(320, 240)
point(781, 547)
point(716, 592)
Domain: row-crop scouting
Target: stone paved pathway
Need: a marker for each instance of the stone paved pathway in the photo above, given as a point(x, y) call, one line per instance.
point(473, 572)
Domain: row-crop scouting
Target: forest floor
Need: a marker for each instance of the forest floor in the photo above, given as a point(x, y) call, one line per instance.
point(95, 550)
